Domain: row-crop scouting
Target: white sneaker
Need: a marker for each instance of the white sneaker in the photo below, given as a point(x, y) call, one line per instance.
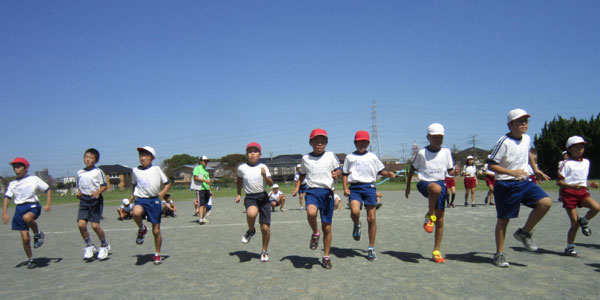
point(264, 256)
point(103, 253)
point(202, 221)
point(89, 252)
point(208, 213)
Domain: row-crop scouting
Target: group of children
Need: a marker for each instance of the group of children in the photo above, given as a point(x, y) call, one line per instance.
point(319, 169)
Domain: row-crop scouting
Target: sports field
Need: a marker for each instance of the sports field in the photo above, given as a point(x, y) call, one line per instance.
point(209, 261)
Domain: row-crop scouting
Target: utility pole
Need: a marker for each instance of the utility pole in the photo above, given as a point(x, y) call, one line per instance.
point(474, 142)
point(375, 147)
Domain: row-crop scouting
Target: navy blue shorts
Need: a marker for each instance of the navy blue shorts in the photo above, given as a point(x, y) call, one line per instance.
point(202, 197)
point(261, 201)
point(152, 208)
point(422, 187)
point(363, 193)
point(509, 194)
point(323, 200)
point(302, 189)
point(90, 209)
point(18, 223)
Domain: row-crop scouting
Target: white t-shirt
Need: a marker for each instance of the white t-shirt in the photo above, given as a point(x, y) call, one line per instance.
point(170, 204)
point(25, 190)
point(362, 168)
point(575, 171)
point(253, 180)
point(487, 171)
point(127, 208)
point(318, 169)
point(336, 198)
point(274, 196)
point(469, 171)
point(147, 181)
point(90, 181)
point(297, 176)
point(433, 166)
point(512, 154)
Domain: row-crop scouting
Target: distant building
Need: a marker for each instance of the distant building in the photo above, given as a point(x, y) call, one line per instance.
point(118, 176)
point(44, 175)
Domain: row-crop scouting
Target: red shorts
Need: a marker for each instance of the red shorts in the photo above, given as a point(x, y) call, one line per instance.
point(490, 180)
point(470, 182)
point(450, 182)
point(573, 197)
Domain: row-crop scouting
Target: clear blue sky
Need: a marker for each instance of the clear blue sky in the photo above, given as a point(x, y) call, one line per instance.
point(207, 77)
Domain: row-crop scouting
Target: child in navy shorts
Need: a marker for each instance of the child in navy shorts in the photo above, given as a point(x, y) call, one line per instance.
point(509, 160)
point(91, 184)
point(361, 169)
point(23, 191)
point(572, 179)
point(302, 190)
point(251, 176)
point(146, 180)
point(432, 163)
point(320, 168)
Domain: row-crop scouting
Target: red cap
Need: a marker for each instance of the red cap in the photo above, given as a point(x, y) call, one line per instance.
point(362, 136)
point(255, 145)
point(19, 160)
point(317, 132)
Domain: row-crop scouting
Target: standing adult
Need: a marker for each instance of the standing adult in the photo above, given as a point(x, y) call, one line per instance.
point(201, 184)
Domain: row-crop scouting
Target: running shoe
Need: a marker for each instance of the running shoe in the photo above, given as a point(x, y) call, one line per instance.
point(264, 256)
point(570, 251)
point(500, 261)
point(428, 225)
point(326, 262)
point(141, 234)
point(282, 209)
point(314, 241)
point(103, 253)
point(437, 257)
point(38, 239)
point(371, 254)
point(452, 204)
point(202, 221)
point(157, 259)
point(89, 252)
point(466, 204)
point(248, 236)
point(525, 238)
point(585, 228)
point(356, 231)
point(473, 204)
point(208, 213)
point(31, 264)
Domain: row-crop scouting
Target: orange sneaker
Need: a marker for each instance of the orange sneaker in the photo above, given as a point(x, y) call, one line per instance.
point(428, 225)
point(438, 258)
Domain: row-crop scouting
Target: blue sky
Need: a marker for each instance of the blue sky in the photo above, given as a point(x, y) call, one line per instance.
point(207, 77)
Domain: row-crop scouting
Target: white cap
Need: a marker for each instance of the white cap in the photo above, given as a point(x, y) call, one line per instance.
point(470, 157)
point(275, 186)
point(515, 114)
point(435, 129)
point(575, 140)
point(149, 149)
point(125, 201)
point(298, 166)
point(204, 157)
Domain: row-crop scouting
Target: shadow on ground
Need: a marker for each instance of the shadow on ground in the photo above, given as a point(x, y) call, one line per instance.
point(594, 246)
point(245, 256)
point(597, 266)
point(540, 251)
point(41, 262)
point(143, 259)
point(405, 256)
point(346, 252)
point(302, 262)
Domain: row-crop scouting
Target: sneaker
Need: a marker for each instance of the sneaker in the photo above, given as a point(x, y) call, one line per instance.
point(206, 221)
point(473, 204)
point(208, 213)
point(356, 231)
point(282, 209)
point(499, 260)
point(492, 203)
point(103, 253)
point(525, 238)
point(437, 257)
point(141, 234)
point(248, 236)
point(452, 204)
point(371, 254)
point(428, 225)
point(264, 256)
point(585, 228)
point(314, 241)
point(571, 251)
point(202, 221)
point(466, 204)
point(326, 262)
point(89, 252)
point(31, 264)
point(38, 239)
point(157, 259)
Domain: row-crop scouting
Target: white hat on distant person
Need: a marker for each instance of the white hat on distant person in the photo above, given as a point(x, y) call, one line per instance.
point(275, 186)
point(298, 165)
point(204, 158)
point(515, 114)
point(125, 201)
point(575, 140)
point(149, 149)
point(435, 129)
point(470, 157)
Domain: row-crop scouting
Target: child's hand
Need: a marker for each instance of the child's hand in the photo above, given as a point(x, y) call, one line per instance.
point(393, 175)
point(593, 184)
point(294, 192)
point(78, 194)
point(540, 175)
point(96, 195)
point(5, 218)
point(263, 172)
point(47, 208)
point(519, 174)
point(237, 198)
point(346, 192)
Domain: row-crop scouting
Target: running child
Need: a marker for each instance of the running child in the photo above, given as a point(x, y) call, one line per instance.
point(490, 180)
point(302, 191)
point(572, 178)
point(451, 188)
point(432, 163)
point(277, 198)
point(469, 172)
point(509, 160)
point(168, 207)
point(91, 184)
point(146, 180)
point(251, 176)
point(360, 170)
point(320, 168)
point(23, 191)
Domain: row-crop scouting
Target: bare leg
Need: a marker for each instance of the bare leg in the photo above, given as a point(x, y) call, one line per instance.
point(537, 213)
point(327, 236)
point(311, 216)
point(251, 213)
point(501, 225)
point(157, 237)
point(371, 219)
point(99, 231)
point(26, 243)
point(439, 229)
point(266, 235)
point(573, 217)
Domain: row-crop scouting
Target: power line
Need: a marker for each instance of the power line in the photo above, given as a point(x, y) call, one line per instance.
point(375, 146)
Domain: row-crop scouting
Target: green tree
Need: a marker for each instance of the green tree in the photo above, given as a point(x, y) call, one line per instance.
point(231, 161)
point(551, 142)
point(178, 160)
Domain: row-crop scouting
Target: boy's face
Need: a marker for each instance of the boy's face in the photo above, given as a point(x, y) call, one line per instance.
point(20, 170)
point(361, 146)
point(435, 141)
point(318, 143)
point(519, 126)
point(89, 159)
point(145, 159)
point(577, 150)
point(253, 155)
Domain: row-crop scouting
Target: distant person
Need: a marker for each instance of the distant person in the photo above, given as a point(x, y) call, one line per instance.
point(450, 190)
point(490, 180)
point(572, 178)
point(168, 206)
point(147, 180)
point(124, 210)
point(320, 168)
point(277, 198)
point(209, 207)
point(337, 202)
point(91, 183)
point(23, 191)
point(432, 163)
point(252, 176)
point(302, 190)
point(379, 196)
point(202, 185)
point(509, 160)
point(469, 172)
point(565, 156)
point(360, 172)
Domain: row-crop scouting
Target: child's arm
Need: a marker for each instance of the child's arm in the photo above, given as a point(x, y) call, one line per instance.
point(345, 185)
point(297, 187)
point(172, 207)
point(269, 180)
point(593, 184)
point(388, 174)
point(408, 179)
point(165, 189)
point(48, 200)
point(561, 183)
point(5, 211)
point(455, 171)
point(239, 183)
point(538, 173)
point(99, 192)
